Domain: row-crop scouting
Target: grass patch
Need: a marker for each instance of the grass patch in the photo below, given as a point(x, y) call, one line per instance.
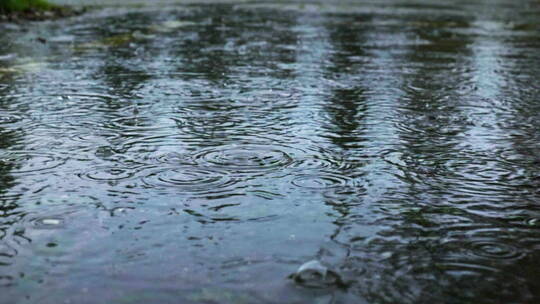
point(34, 10)
point(11, 6)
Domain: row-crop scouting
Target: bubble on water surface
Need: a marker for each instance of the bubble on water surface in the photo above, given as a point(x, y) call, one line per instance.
point(120, 210)
point(314, 274)
point(49, 223)
point(170, 25)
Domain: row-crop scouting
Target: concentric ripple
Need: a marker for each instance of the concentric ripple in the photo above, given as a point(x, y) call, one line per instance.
point(493, 250)
point(109, 174)
point(320, 181)
point(136, 124)
point(245, 158)
point(321, 158)
point(396, 142)
point(192, 121)
point(465, 268)
point(30, 161)
point(172, 158)
point(190, 179)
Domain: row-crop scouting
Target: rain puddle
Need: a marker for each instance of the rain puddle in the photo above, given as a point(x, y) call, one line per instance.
point(242, 152)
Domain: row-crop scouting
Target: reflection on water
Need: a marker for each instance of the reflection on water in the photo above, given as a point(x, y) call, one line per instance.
point(202, 153)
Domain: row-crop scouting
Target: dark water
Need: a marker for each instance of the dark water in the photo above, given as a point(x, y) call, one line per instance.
point(202, 153)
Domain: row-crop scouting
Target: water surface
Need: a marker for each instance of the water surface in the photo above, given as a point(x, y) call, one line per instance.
point(200, 153)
